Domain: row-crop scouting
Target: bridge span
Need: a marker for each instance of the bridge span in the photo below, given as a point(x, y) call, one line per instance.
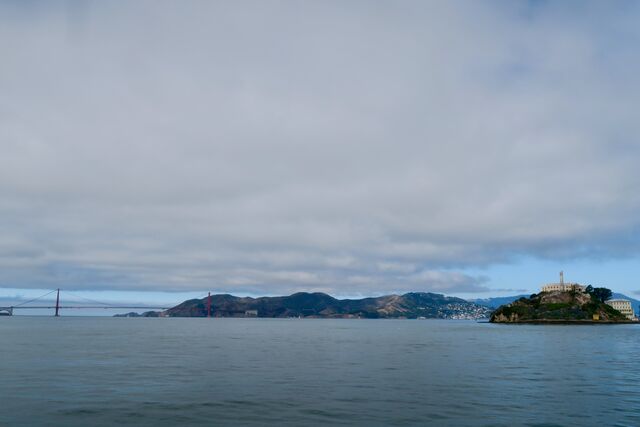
point(8, 311)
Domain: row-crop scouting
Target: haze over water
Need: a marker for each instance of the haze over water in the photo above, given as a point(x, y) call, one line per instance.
point(149, 372)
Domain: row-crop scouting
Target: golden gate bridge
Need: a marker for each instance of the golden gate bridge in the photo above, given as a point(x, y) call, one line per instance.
point(93, 304)
point(8, 311)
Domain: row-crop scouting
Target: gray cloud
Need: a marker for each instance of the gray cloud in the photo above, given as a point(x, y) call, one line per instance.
point(273, 146)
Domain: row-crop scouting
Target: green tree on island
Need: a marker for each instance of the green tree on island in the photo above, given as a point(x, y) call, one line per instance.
point(601, 294)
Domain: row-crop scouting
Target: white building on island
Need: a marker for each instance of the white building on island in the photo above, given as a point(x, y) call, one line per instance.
point(623, 306)
point(562, 286)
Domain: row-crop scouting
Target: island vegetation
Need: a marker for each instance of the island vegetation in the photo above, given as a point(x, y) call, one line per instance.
point(573, 306)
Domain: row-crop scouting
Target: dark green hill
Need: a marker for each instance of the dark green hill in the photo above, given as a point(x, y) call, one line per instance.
point(303, 304)
point(557, 307)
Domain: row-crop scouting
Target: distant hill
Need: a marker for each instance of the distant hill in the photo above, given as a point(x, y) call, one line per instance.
point(145, 314)
point(319, 305)
point(498, 301)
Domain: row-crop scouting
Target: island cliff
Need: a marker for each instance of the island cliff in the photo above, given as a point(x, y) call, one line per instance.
point(558, 307)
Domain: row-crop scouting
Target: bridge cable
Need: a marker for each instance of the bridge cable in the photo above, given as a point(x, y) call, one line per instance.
point(106, 304)
point(32, 300)
point(87, 299)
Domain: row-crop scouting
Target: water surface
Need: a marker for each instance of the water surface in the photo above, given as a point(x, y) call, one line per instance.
point(187, 372)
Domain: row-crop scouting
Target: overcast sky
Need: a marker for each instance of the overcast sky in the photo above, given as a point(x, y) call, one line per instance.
point(356, 148)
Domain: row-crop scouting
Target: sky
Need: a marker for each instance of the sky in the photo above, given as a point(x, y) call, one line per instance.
point(158, 150)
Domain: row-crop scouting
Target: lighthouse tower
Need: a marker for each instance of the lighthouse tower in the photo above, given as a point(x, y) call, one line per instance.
point(562, 286)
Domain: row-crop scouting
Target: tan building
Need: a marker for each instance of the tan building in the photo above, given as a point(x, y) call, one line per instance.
point(623, 306)
point(562, 286)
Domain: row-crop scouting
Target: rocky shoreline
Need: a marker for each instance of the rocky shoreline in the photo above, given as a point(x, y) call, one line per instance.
point(570, 322)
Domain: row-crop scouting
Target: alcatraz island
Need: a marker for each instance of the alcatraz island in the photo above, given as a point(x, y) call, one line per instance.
point(566, 303)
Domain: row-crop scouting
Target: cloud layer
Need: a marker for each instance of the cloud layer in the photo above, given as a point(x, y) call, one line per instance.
point(356, 147)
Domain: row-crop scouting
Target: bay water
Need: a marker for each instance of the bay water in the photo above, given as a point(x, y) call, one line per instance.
point(96, 371)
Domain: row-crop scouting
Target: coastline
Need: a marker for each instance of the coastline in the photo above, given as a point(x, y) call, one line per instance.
point(569, 322)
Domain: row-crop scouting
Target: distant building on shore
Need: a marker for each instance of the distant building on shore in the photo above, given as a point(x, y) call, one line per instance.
point(623, 306)
point(562, 286)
